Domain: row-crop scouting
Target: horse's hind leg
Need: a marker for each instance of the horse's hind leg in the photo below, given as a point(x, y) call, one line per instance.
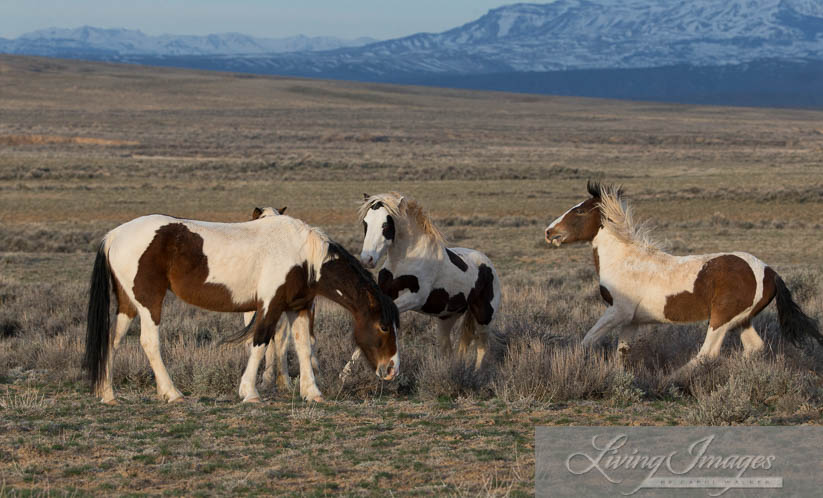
point(712, 344)
point(121, 326)
point(752, 343)
point(150, 340)
point(481, 339)
point(444, 331)
point(467, 331)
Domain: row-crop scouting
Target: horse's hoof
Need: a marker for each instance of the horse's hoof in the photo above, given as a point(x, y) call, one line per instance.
point(179, 399)
point(317, 399)
point(255, 399)
point(110, 402)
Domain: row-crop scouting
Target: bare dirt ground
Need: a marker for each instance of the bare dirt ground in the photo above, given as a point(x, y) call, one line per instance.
point(87, 146)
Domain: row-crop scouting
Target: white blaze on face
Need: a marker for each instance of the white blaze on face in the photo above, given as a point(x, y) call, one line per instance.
point(560, 218)
point(374, 243)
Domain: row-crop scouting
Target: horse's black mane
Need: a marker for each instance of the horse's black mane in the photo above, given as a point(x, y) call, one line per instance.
point(388, 310)
point(596, 189)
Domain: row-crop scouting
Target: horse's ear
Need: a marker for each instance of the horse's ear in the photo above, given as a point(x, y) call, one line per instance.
point(366, 196)
point(373, 302)
point(402, 204)
point(282, 210)
point(256, 213)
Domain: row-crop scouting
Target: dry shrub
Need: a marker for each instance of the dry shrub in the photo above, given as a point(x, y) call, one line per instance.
point(452, 377)
point(44, 238)
point(536, 369)
point(731, 390)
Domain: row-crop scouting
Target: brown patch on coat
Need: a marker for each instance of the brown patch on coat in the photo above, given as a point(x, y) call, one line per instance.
point(481, 296)
point(457, 260)
point(294, 294)
point(392, 287)
point(124, 304)
point(436, 302)
point(175, 260)
point(596, 261)
point(724, 288)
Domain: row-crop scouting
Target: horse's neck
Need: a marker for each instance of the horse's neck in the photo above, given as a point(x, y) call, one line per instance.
point(412, 245)
point(611, 249)
point(614, 253)
point(341, 283)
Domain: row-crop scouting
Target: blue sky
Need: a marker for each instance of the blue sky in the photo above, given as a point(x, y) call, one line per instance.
point(273, 19)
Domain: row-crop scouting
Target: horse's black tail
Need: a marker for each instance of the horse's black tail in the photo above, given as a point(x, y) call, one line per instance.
point(243, 335)
point(794, 324)
point(97, 325)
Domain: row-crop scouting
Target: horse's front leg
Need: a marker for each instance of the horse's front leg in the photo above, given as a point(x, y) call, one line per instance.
point(301, 331)
point(411, 300)
point(247, 390)
point(613, 317)
point(277, 367)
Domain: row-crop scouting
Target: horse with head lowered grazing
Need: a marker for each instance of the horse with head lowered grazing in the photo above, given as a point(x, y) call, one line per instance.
point(274, 265)
point(422, 274)
point(641, 284)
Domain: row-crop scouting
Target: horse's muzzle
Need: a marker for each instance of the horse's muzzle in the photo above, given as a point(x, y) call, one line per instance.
point(367, 261)
point(387, 372)
point(554, 240)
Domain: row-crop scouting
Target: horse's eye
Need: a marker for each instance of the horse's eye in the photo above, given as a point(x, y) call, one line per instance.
point(580, 211)
point(384, 329)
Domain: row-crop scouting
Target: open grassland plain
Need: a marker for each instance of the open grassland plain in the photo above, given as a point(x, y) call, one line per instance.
point(87, 146)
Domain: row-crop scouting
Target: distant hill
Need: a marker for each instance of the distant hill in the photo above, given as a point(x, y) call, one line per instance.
point(742, 52)
point(111, 44)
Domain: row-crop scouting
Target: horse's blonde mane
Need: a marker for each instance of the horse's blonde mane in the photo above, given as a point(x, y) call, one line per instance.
point(316, 246)
point(410, 210)
point(618, 218)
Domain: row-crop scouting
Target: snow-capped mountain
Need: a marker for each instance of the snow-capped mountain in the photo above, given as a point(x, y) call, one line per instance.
point(583, 34)
point(746, 52)
point(112, 43)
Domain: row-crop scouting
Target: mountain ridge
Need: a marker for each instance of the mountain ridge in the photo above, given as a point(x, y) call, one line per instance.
point(117, 42)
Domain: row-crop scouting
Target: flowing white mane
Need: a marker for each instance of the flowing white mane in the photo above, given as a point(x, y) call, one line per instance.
point(619, 220)
point(402, 207)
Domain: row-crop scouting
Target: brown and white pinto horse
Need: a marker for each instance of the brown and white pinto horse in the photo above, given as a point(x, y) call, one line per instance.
point(642, 284)
point(274, 265)
point(276, 371)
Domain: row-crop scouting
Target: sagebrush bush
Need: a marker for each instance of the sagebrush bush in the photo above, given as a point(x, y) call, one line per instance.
point(730, 390)
point(534, 356)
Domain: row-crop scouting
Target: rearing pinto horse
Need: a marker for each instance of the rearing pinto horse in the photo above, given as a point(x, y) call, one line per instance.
point(274, 265)
point(642, 284)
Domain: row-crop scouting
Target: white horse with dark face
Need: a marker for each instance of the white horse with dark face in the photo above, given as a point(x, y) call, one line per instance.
point(421, 274)
point(641, 284)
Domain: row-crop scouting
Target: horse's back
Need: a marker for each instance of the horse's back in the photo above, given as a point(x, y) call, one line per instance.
point(217, 266)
